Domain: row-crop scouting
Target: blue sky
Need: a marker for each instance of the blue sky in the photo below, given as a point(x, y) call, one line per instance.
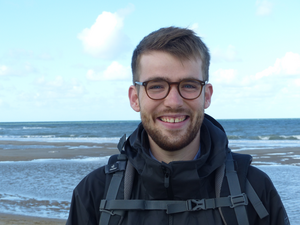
point(70, 60)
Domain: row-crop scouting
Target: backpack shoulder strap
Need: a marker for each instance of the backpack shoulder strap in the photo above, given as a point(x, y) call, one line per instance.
point(116, 167)
point(234, 184)
point(218, 184)
point(245, 161)
point(128, 180)
point(255, 201)
point(235, 191)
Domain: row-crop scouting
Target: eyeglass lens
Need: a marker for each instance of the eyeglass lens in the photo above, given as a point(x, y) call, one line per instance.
point(159, 89)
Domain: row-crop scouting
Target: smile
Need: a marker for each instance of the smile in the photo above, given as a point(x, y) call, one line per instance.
point(173, 119)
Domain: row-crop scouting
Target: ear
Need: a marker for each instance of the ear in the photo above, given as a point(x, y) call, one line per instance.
point(208, 93)
point(134, 98)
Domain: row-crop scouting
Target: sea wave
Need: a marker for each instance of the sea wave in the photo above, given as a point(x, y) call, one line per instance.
point(73, 137)
point(53, 138)
point(280, 137)
point(38, 136)
point(34, 128)
point(263, 144)
point(264, 137)
point(100, 160)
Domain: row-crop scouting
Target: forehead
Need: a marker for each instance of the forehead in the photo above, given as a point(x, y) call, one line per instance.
point(159, 64)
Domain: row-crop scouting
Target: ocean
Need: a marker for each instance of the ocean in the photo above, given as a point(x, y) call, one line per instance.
point(43, 187)
point(242, 133)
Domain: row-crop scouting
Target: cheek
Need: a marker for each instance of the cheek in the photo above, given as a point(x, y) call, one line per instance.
point(197, 105)
point(149, 108)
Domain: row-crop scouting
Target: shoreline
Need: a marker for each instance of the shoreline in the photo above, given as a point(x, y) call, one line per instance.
point(30, 150)
point(12, 219)
point(54, 150)
point(274, 156)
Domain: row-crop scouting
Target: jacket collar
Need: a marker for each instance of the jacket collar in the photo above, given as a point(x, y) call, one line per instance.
point(182, 174)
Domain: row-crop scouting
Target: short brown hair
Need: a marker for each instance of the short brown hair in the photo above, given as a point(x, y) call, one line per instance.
point(182, 43)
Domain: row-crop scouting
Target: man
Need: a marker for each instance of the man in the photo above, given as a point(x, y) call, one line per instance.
point(177, 152)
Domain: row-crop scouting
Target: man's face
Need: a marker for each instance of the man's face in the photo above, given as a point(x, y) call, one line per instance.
point(172, 123)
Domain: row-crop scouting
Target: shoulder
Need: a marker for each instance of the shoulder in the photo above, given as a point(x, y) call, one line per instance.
point(93, 183)
point(242, 158)
point(269, 196)
point(258, 178)
point(86, 198)
point(260, 181)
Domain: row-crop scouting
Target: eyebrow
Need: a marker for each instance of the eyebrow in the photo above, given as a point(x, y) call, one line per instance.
point(167, 79)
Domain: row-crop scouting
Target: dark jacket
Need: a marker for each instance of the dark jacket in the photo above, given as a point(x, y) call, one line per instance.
point(179, 180)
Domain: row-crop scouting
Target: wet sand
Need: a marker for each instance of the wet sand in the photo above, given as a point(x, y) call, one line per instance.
point(23, 151)
point(278, 156)
point(9, 219)
point(68, 150)
point(64, 150)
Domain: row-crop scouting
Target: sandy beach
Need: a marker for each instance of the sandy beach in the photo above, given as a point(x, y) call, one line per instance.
point(62, 150)
point(9, 219)
point(287, 156)
point(68, 150)
point(281, 156)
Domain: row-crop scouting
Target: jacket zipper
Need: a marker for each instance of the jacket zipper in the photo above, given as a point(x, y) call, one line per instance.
point(167, 184)
point(166, 178)
point(166, 172)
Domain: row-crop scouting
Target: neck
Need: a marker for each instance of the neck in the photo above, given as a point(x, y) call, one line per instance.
point(187, 153)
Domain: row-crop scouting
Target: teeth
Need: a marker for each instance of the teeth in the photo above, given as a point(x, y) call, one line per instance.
point(172, 119)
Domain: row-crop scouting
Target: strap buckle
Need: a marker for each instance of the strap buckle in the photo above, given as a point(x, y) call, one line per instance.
point(102, 208)
point(107, 211)
point(194, 204)
point(238, 200)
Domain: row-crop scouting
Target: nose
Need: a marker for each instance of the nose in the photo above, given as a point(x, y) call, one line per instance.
point(173, 99)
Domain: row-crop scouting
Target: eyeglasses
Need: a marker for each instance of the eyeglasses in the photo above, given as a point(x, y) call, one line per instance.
point(158, 89)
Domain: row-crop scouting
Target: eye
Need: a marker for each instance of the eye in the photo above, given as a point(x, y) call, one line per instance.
point(157, 85)
point(190, 86)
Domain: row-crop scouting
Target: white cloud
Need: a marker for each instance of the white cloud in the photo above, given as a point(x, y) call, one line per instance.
point(195, 28)
point(287, 65)
point(58, 88)
point(283, 73)
point(271, 92)
point(3, 70)
point(20, 54)
point(115, 71)
point(297, 83)
point(229, 55)
point(4, 105)
point(106, 38)
point(224, 76)
point(17, 70)
point(263, 7)
point(23, 54)
point(57, 82)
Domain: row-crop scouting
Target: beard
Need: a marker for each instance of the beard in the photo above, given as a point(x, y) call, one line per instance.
point(173, 140)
